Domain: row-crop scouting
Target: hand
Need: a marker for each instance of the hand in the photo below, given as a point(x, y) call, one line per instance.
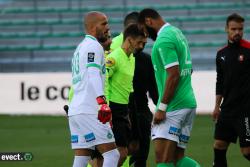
point(216, 113)
point(159, 116)
point(104, 114)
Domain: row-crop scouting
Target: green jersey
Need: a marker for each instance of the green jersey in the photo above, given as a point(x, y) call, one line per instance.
point(120, 69)
point(170, 49)
point(116, 42)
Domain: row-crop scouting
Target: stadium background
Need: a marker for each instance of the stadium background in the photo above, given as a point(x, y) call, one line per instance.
point(37, 40)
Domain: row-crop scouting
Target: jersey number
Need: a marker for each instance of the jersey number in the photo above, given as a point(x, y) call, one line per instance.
point(75, 65)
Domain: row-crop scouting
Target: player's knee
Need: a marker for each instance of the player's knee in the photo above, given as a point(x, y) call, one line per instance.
point(221, 145)
point(123, 154)
point(247, 156)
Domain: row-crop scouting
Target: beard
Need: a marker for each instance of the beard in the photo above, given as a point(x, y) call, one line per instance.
point(151, 33)
point(101, 37)
point(237, 38)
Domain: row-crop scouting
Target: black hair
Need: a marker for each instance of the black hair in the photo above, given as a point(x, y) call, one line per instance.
point(148, 12)
point(133, 31)
point(235, 17)
point(131, 18)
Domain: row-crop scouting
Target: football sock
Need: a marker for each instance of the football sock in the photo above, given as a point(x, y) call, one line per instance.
point(186, 161)
point(165, 165)
point(111, 158)
point(220, 159)
point(81, 161)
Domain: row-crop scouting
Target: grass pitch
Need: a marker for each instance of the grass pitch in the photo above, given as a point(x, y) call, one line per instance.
point(48, 139)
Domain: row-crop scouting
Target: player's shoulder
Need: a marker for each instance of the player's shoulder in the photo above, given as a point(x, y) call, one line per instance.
point(222, 49)
point(113, 57)
point(244, 43)
point(90, 45)
point(115, 53)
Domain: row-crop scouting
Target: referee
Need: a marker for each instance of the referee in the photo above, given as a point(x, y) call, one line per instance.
point(232, 108)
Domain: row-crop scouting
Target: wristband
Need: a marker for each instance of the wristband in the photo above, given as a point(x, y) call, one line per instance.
point(162, 107)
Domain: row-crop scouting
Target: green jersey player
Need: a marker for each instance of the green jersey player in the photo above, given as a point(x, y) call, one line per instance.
point(176, 106)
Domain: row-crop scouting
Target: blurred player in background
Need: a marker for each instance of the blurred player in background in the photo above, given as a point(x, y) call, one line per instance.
point(232, 107)
point(130, 18)
point(140, 114)
point(89, 114)
point(176, 106)
point(120, 66)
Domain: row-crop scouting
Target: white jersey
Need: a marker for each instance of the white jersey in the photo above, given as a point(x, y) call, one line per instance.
point(88, 54)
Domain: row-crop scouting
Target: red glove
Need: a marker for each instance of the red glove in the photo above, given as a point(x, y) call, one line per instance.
point(104, 113)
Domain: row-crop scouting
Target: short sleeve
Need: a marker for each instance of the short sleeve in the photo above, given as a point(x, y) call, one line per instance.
point(168, 54)
point(111, 64)
point(95, 56)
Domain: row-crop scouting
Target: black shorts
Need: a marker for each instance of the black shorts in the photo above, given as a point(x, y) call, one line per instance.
point(120, 121)
point(229, 129)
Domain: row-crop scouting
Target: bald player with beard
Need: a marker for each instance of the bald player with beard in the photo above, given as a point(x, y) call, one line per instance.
point(89, 114)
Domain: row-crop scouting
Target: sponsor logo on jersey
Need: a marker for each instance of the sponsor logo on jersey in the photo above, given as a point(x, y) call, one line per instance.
point(174, 131)
point(91, 57)
point(89, 137)
point(247, 126)
point(241, 58)
point(110, 62)
point(74, 138)
point(109, 135)
point(186, 72)
point(248, 140)
point(183, 138)
point(223, 58)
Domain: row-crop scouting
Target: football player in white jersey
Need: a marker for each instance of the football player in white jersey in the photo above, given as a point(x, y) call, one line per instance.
point(89, 114)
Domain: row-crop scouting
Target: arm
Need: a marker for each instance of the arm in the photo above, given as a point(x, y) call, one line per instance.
point(96, 80)
point(170, 86)
point(170, 61)
point(111, 66)
point(94, 73)
point(216, 111)
point(219, 88)
point(153, 92)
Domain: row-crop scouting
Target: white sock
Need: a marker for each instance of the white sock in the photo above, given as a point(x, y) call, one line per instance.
point(81, 161)
point(111, 158)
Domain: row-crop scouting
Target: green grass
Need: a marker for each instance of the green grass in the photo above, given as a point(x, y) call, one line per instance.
point(47, 137)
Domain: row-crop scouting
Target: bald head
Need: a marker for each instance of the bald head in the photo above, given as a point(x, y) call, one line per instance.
point(96, 24)
point(91, 18)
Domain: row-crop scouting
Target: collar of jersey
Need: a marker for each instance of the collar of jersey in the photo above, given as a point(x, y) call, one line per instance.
point(125, 55)
point(165, 25)
point(91, 37)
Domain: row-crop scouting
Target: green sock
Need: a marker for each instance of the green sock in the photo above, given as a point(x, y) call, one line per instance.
point(186, 161)
point(126, 162)
point(165, 165)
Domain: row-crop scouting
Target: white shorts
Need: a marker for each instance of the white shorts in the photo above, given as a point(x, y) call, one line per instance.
point(177, 127)
point(87, 131)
